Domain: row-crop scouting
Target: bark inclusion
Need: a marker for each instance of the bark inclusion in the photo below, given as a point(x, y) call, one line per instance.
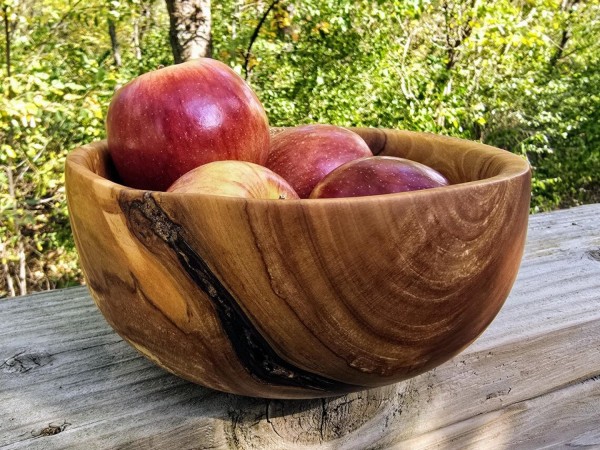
point(148, 221)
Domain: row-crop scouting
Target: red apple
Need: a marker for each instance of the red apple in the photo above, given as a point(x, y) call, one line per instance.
point(167, 122)
point(377, 175)
point(304, 155)
point(234, 179)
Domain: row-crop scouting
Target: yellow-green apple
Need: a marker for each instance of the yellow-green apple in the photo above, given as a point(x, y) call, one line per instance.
point(377, 175)
point(303, 155)
point(167, 122)
point(234, 179)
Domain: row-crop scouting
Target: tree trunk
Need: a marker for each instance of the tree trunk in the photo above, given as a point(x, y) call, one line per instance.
point(190, 29)
point(7, 38)
point(567, 6)
point(116, 48)
point(10, 287)
point(236, 18)
point(140, 26)
point(136, 39)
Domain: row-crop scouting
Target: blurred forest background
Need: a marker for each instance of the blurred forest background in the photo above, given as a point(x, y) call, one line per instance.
point(523, 75)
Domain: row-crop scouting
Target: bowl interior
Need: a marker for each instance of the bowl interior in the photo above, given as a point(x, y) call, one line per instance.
point(459, 160)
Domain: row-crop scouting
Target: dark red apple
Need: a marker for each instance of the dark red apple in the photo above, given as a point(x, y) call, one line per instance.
point(377, 175)
point(167, 122)
point(234, 179)
point(303, 155)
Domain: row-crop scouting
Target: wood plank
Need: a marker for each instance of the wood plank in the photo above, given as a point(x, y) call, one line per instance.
point(564, 418)
point(531, 380)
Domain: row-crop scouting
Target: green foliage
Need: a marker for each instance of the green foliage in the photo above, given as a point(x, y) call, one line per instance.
point(61, 81)
point(524, 76)
point(496, 71)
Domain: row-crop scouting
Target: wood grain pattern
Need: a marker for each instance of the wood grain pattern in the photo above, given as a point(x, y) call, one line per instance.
point(531, 381)
point(305, 298)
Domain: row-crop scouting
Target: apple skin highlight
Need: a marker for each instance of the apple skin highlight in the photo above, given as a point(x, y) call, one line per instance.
point(169, 121)
point(377, 175)
point(305, 154)
point(234, 179)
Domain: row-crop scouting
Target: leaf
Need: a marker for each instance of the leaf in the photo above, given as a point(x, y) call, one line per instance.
point(9, 151)
point(74, 86)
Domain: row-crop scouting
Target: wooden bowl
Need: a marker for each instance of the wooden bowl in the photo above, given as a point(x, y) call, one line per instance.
point(305, 298)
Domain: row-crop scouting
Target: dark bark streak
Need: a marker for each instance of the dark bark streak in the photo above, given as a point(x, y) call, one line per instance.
point(464, 31)
point(251, 348)
point(254, 36)
point(7, 38)
point(569, 6)
point(560, 49)
point(114, 42)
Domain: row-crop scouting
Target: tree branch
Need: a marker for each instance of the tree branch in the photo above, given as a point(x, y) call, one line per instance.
point(114, 42)
point(7, 40)
point(569, 6)
point(255, 35)
point(463, 32)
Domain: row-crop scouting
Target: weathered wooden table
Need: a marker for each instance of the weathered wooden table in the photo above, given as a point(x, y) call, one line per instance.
point(532, 380)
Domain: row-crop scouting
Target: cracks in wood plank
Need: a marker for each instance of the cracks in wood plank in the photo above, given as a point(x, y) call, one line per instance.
point(109, 422)
point(232, 437)
point(323, 418)
point(51, 430)
point(116, 342)
point(268, 417)
point(572, 445)
point(593, 254)
point(575, 382)
point(58, 378)
point(499, 393)
point(347, 401)
point(590, 379)
point(24, 360)
point(403, 399)
point(210, 447)
point(514, 405)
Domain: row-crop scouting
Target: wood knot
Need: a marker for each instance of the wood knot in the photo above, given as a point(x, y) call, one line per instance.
point(51, 429)
point(24, 361)
point(593, 254)
point(148, 221)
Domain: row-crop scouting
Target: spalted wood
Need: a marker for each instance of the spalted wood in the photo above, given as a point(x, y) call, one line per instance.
point(305, 298)
point(531, 380)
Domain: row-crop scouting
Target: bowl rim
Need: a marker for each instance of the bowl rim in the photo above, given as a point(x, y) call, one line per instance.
point(511, 167)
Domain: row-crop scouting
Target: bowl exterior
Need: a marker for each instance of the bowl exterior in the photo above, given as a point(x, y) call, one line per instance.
point(304, 298)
